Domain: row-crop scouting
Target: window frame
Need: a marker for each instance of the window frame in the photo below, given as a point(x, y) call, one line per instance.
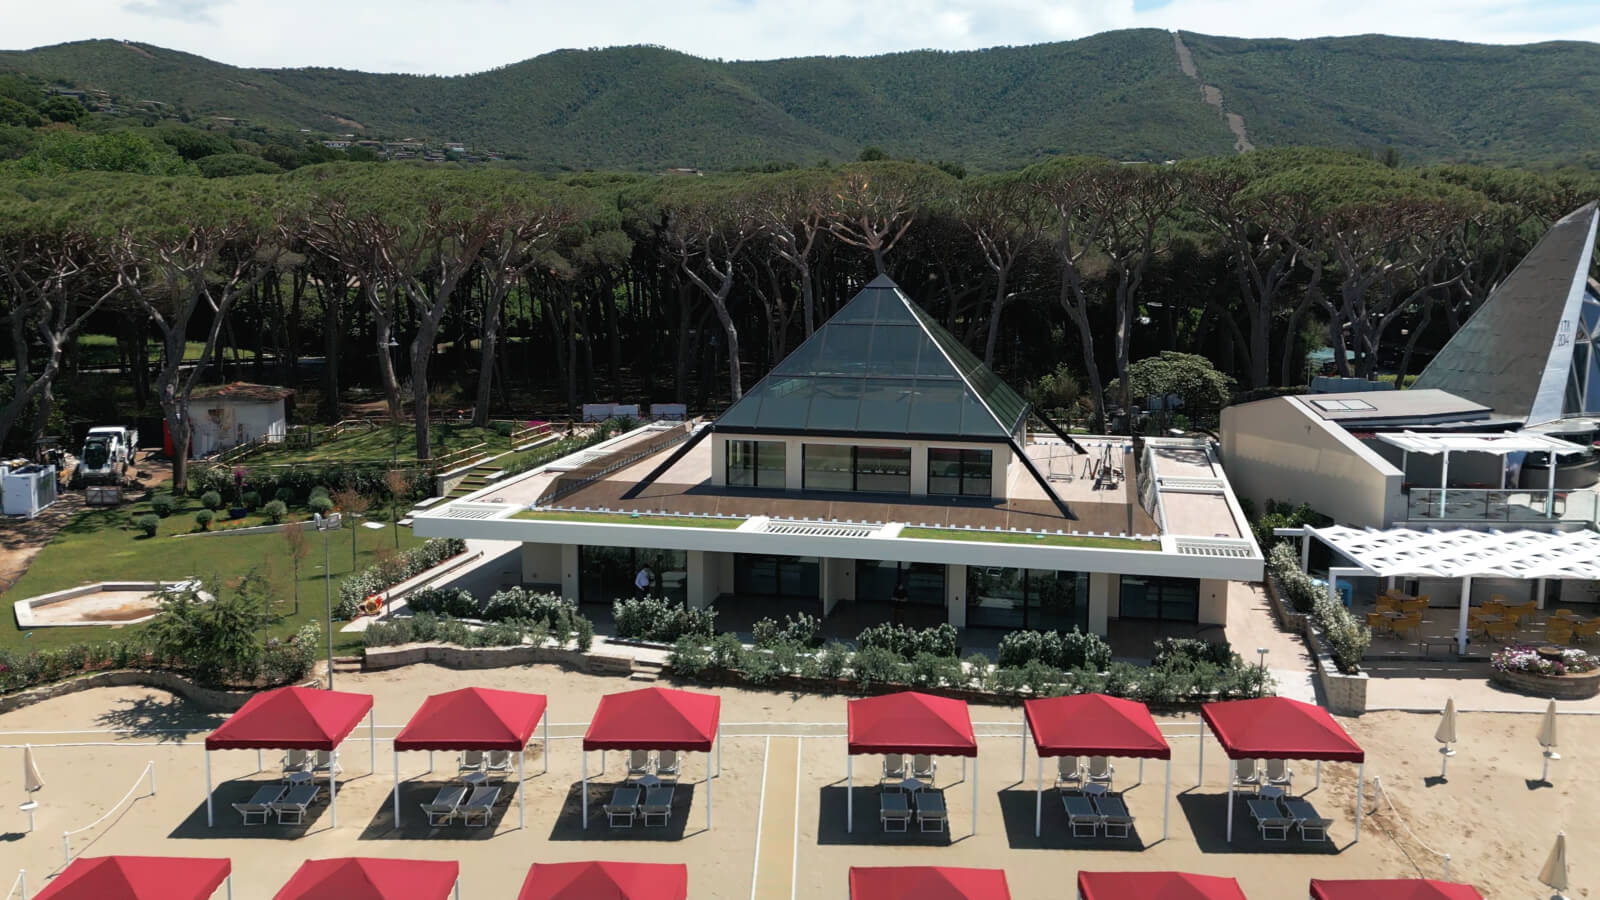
point(962, 462)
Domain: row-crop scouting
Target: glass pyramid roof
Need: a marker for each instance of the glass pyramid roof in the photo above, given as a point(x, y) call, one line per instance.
point(880, 367)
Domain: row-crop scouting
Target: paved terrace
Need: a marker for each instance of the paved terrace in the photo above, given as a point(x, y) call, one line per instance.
point(686, 488)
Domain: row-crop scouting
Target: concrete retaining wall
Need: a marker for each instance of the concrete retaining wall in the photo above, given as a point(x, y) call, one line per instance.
point(207, 699)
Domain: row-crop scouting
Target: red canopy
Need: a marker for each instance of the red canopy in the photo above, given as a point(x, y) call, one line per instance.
point(927, 883)
point(1156, 886)
point(1279, 728)
point(654, 719)
point(473, 719)
point(291, 718)
point(1094, 725)
point(365, 878)
point(909, 722)
point(1392, 889)
point(137, 878)
point(606, 881)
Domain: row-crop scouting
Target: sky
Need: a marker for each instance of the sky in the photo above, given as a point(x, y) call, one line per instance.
point(450, 37)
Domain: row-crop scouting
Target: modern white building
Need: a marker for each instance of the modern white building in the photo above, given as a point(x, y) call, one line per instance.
point(880, 453)
point(228, 415)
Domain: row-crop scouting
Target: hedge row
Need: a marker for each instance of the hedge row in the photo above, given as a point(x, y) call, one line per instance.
point(429, 628)
point(389, 572)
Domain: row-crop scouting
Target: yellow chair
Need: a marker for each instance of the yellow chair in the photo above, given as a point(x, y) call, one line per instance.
point(1379, 622)
point(1386, 604)
point(1411, 624)
point(1562, 614)
point(1423, 599)
point(1414, 607)
point(1587, 632)
point(1501, 631)
point(1558, 631)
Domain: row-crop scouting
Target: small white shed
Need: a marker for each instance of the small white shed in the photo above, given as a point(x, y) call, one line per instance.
point(228, 415)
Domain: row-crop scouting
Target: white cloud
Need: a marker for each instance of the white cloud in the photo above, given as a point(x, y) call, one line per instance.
point(471, 35)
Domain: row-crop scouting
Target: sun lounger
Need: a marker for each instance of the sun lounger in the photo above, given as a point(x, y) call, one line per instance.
point(638, 762)
point(470, 761)
point(1312, 826)
point(1069, 771)
point(668, 764)
point(894, 768)
point(1081, 815)
point(260, 803)
point(931, 812)
point(444, 805)
point(658, 806)
point(1270, 820)
point(894, 811)
point(623, 807)
point(1114, 816)
point(291, 808)
point(479, 806)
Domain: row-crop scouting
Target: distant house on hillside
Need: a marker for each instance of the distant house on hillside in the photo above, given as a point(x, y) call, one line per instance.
point(232, 414)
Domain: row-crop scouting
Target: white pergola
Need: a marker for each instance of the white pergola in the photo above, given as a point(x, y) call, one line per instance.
point(1501, 445)
point(1459, 553)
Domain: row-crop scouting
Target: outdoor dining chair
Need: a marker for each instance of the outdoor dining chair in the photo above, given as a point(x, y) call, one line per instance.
point(924, 766)
point(623, 807)
point(1377, 621)
point(295, 762)
point(1411, 624)
point(444, 805)
point(498, 762)
point(894, 768)
point(1069, 771)
point(668, 764)
point(1246, 774)
point(638, 762)
point(1100, 770)
point(327, 760)
point(260, 803)
point(1586, 631)
point(1278, 772)
point(1558, 631)
point(469, 761)
point(1501, 631)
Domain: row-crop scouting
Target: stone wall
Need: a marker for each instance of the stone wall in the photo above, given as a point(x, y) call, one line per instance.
point(1567, 687)
point(207, 699)
point(453, 657)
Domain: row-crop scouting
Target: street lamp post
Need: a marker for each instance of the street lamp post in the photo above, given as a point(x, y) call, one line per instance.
point(327, 588)
point(1261, 653)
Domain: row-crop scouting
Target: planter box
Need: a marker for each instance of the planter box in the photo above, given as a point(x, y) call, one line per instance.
point(1563, 687)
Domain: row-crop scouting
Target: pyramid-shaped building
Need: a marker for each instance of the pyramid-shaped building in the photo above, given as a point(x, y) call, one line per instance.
point(1529, 353)
point(880, 367)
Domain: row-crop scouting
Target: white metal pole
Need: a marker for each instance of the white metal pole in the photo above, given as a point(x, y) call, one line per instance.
point(522, 789)
point(333, 790)
point(1319, 775)
point(1550, 489)
point(1141, 773)
point(458, 887)
point(849, 793)
point(708, 792)
point(974, 795)
point(1230, 810)
point(1200, 770)
point(372, 740)
point(1462, 614)
point(1539, 597)
point(1038, 795)
point(430, 762)
point(547, 739)
point(1022, 766)
point(1444, 486)
point(259, 765)
point(1166, 801)
point(1361, 775)
point(230, 888)
point(209, 823)
point(583, 759)
point(719, 749)
point(396, 755)
point(152, 778)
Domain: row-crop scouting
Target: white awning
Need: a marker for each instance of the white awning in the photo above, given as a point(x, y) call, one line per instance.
point(1463, 553)
point(1498, 444)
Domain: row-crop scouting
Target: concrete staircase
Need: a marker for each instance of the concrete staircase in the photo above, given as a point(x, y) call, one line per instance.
point(478, 478)
point(346, 664)
point(646, 670)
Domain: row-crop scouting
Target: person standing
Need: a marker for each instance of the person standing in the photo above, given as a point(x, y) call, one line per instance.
point(641, 583)
point(899, 600)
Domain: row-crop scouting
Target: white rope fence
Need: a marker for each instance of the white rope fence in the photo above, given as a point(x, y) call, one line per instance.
point(66, 836)
point(19, 888)
point(1377, 787)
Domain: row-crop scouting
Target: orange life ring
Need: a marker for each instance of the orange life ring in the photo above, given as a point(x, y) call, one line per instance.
point(372, 604)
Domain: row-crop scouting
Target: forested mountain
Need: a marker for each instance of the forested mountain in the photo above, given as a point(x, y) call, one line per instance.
point(1142, 94)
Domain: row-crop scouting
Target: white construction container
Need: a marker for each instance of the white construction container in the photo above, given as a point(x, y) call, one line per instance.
point(27, 490)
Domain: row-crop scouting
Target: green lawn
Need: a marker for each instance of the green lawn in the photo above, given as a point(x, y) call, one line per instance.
point(397, 442)
point(1013, 537)
point(95, 546)
point(556, 515)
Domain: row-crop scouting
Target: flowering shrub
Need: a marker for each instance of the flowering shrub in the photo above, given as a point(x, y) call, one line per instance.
point(1527, 659)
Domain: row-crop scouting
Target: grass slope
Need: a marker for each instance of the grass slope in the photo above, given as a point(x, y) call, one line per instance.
point(95, 546)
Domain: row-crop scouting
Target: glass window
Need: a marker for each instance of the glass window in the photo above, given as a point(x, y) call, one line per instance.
point(827, 467)
point(777, 576)
point(1164, 599)
point(607, 574)
point(756, 464)
point(962, 472)
point(876, 580)
point(883, 470)
point(1038, 599)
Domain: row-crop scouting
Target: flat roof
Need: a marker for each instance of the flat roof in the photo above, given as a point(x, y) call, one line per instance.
point(1463, 553)
point(1500, 444)
point(1374, 406)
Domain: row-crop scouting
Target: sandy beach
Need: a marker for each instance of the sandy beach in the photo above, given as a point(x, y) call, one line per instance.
point(779, 806)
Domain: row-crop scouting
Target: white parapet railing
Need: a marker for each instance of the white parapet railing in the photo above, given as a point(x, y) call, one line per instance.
point(66, 836)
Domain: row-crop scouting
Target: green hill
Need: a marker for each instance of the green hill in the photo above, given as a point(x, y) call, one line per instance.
point(1119, 94)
